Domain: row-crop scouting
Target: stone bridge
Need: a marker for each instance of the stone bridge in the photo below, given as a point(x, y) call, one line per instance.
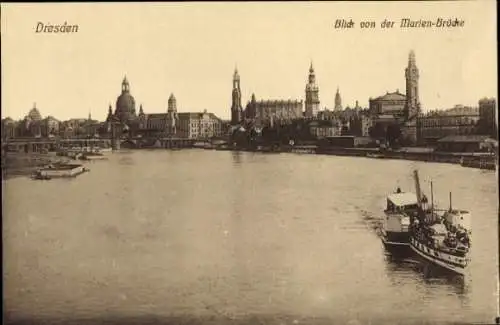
point(28, 145)
point(136, 143)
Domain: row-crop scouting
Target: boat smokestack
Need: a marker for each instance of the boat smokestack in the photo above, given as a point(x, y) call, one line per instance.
point(417, 188)
point(432, 203)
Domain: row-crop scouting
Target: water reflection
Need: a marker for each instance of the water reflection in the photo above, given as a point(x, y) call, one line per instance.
point(429, 273)
point(197, 232)
point(236, 155)
point(403, 264)
point(126, 160)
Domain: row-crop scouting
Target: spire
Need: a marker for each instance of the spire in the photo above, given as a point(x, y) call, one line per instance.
point(90, 115)
point(236, 80)
point(236, 75)
point(140, 110)
point(110, 114)
point(125, 84)
point(312, 77)
point(236, 108)
point(338, 100)
point(411, 57)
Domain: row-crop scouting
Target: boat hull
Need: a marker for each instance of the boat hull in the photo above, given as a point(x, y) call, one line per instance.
point(446, 261)
point(397, 243)
point(397, 238)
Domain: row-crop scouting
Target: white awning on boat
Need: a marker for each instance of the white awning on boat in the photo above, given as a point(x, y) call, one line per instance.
point(439, 229)
point(403, 199)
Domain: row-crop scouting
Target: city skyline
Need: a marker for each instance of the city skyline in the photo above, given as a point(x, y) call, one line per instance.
point(72, 75)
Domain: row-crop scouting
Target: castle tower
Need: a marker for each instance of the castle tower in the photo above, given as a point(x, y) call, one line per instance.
point(236, 108)
point(172, 104)
point(412, 106)
point(251, 108)
point(172, 116)
point(312, 96)
point(141, 119)
point(338, 101)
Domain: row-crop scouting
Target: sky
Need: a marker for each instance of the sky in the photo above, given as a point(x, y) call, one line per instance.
point(191, 49)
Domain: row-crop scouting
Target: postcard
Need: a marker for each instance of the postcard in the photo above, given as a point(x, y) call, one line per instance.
point(250, 163)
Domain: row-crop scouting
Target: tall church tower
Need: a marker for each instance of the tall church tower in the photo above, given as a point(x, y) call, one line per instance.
point(172, 104)
point(172, 116)
point(312, 96)
point(236, 108)
point(338, 101)
point(412, 106)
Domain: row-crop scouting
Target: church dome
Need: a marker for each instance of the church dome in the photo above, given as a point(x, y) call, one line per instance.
point(125, 103)
point(34, 114)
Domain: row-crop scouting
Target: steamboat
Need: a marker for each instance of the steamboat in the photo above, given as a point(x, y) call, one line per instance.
point(395, 232)
point(441, 237)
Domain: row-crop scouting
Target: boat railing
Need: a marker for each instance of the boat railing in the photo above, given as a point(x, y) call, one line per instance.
point(459, 251)
point(427, 235)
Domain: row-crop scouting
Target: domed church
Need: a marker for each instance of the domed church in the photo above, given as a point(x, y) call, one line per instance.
point(125, 104)
point(124, 122)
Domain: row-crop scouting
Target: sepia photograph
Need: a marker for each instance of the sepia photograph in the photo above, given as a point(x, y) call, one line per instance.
point(278, 163)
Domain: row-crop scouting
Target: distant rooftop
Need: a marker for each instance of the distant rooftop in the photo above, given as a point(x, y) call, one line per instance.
point(392, 96)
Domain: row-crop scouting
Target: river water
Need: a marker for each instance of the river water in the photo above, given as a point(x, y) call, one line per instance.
point(227, 236)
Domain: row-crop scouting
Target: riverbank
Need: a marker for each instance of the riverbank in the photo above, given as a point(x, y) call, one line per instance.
point(23, 164)
point(466, 159)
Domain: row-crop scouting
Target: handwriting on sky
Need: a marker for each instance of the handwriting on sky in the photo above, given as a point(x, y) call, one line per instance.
point(404, 23)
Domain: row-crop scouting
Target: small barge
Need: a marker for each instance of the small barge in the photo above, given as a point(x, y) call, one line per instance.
point(92, 156)
point(59, 170)
point(38, 176)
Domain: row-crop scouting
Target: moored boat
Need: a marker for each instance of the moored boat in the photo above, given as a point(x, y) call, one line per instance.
point(93, 156)
point(103, 150)
point(39, 176)
point(441, 237)
point(374, 155)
